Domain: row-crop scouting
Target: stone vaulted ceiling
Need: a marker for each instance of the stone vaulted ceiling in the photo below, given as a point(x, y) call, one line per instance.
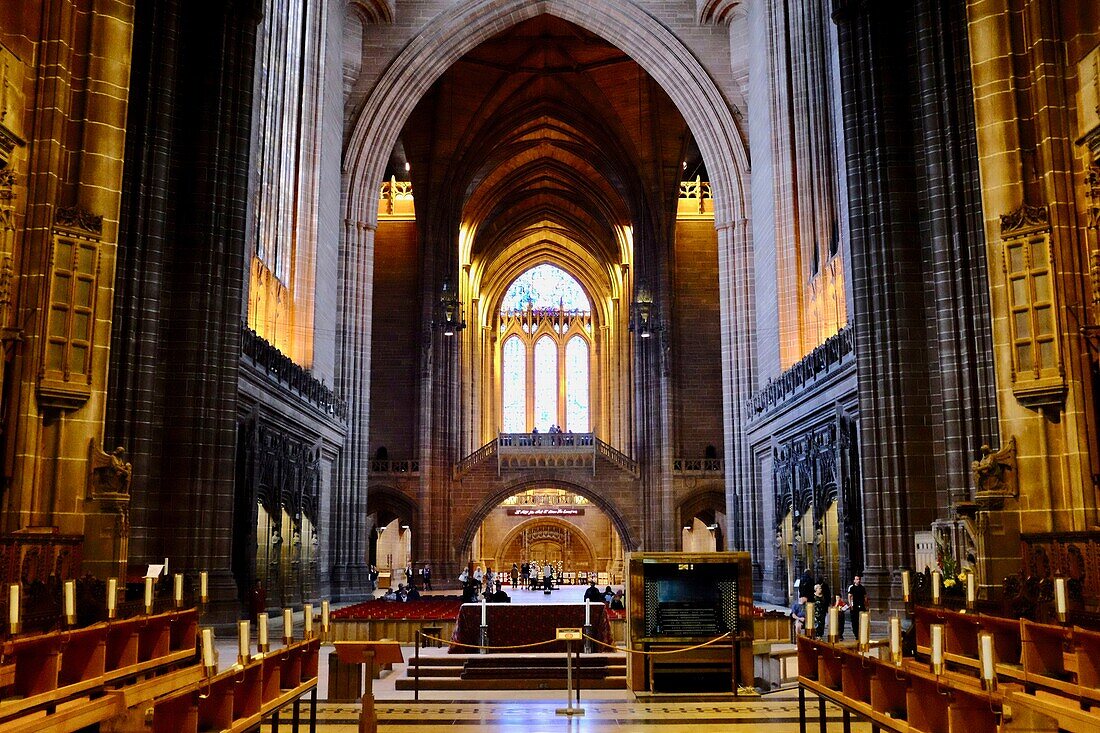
point(546, 134)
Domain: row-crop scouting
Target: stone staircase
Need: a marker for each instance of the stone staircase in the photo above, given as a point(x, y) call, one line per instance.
point(514, 672)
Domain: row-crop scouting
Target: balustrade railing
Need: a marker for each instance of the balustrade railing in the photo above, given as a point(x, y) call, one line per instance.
point(617, 457)
point(822, 360)
point(483, 453)
point(698, 465)
point(280, 368)
point(387, 466)
point(560, 444)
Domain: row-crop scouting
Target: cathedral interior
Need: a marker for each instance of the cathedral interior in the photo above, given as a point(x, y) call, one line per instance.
point(294, 289)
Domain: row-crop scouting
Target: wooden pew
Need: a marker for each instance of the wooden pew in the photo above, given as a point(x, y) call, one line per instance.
point(239, 698)
point(67, 680)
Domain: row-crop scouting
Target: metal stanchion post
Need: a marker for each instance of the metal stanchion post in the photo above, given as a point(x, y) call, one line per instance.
point(416, 672)
point(569, 709)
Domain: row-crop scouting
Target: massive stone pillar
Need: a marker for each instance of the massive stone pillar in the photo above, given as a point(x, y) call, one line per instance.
point(176, 343)
point(913, 218)
point(348, 542)
point(735, 292)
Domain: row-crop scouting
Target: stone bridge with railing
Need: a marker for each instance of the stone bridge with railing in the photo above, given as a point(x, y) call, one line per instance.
point(579, 463)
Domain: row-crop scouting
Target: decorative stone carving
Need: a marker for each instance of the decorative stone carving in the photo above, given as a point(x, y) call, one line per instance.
point(74, 217)
point(995, 475)
point(109, 474)
point(1025, 219)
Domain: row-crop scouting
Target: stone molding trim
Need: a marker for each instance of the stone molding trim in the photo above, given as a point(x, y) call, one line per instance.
point(716, 12)
point(373, 11)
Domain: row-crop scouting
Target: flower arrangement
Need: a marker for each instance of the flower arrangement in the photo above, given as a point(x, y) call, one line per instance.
point(948, 565)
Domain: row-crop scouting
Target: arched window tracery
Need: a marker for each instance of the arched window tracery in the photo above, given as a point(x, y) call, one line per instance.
point(546, 336)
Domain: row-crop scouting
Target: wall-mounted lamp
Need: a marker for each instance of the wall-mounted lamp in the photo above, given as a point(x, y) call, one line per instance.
point(449, 312)
point(643, 312)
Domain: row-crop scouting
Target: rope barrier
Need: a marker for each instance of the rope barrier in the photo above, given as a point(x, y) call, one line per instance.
point(715, 640)
point(480, 646)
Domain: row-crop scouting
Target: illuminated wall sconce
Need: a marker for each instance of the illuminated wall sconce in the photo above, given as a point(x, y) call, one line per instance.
point(449, 311)
point(643, 313)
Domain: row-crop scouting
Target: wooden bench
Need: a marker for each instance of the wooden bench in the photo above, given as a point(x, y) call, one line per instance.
point(239, 698)
point(67, 680)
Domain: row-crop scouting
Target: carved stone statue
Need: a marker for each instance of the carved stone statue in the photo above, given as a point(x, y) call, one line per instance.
point(995, 472)
point(110, 473)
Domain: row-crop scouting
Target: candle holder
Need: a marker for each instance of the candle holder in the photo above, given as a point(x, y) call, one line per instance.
point(15, 593)
point(987, 659)
point(864, 631)
point(69, 603)
point(262, 644)
point(937, 655)
point(244, 643)
point(895, 641)
point(209, 656)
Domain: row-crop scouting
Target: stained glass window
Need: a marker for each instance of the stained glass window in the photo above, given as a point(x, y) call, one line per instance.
point(576, 385)
point(513, 386)
point(546, 383)
point(545, 286)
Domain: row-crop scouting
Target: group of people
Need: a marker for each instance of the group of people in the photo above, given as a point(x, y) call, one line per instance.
point(535, 575)
point(409, 584)
point(611, 599)
point(476, 582)
point(402, 594)
point(851, 603)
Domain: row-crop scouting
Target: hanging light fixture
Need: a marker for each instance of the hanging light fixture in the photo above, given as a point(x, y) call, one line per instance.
point(450, 319)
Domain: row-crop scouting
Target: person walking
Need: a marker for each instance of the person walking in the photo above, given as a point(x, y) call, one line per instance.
point(857, 602)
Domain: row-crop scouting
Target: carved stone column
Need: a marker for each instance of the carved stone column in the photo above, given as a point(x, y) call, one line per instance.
point(348, 542)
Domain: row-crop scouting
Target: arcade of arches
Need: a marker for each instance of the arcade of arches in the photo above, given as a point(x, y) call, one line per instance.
point(816, 280)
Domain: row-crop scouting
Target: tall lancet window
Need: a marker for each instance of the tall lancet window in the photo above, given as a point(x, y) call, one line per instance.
point(546, 335)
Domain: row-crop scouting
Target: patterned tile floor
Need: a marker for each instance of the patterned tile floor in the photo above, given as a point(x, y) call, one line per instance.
point(772, 713)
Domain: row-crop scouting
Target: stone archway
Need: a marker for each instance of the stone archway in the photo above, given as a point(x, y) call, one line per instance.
point(443, 40)
point(511, 537)
point(492, 501)
point(640, 35)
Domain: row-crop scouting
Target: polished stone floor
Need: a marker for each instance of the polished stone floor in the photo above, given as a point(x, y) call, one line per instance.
point(772, 713)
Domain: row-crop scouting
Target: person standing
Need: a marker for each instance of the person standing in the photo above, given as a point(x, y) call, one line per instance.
point(525, 573)
point(409, 574)
point(490, 577)
point(548, 576)
point(857, 602)
point(478, 575)
point(821, 610)
point(426, 573)
point(515, 576)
